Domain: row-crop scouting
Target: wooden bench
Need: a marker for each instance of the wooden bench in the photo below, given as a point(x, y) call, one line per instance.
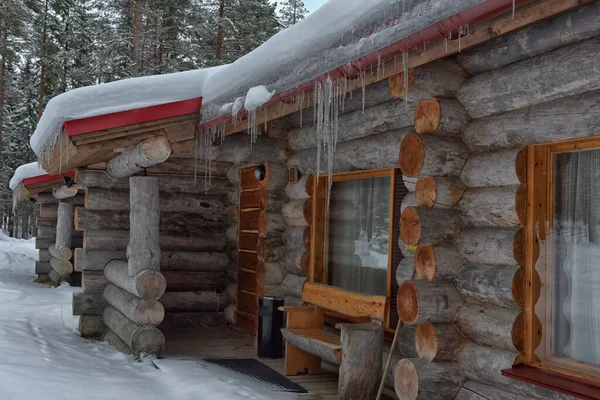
point(359, 348)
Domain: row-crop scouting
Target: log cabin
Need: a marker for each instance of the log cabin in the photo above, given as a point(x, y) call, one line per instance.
point(416, 205)
point(56, 197)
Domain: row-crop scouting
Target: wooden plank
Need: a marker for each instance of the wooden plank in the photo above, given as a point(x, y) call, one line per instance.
point(479, 33)
point(246, 322)
point(247, 302)
point(249, 219)
point(344, 301)
point(248, 241)
point(253, 198)
point(247, 260)
point(247, 281)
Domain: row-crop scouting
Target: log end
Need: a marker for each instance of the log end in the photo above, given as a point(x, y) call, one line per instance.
point(396, 84)
point(150, 284)
point(408, 303)
point(149, 340)
point(406, 380)
point(427, 116)
point(521, 204)
point(412, 155)
point(518, 332)
point(310, 184)
point(519, 287)
point(306, 238)
point(426, 341)
point(519, 248)
point(426, 192)
point(157, 148)
point(307, 210)
point(410, 226)
point(425, 263)
point(521, 166)
point(305, 263)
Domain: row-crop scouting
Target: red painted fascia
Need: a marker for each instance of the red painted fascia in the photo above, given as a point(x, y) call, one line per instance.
point(440, 30)
point(46, 177)
point(124, 118)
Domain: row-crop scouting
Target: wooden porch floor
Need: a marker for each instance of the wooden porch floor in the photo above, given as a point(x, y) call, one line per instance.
point(229, 343)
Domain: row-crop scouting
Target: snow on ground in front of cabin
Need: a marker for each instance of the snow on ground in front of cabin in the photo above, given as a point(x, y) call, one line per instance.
point(42, 356)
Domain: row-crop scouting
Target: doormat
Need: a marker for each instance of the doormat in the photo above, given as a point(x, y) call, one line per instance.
point(254, 369)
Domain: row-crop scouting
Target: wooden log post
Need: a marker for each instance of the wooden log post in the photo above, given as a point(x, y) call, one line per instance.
point(489, 169)
point(64, 192)
point(440, 116)
point(141, 339)
point(63, 268)
point(439, 192)
point(432, 155)
point(423, 380)
point(64, 228)
point(360, 369)
point(493, 92)
point(439, 342)
point(487, 284)
point(56, 277)
point(63, 253)
point(489, 325)
point(298, 212)
point(489, 207)
point(145, 154)
point(88, 303)
point(143, 251)
point(140, 311)
point(486, 245)
point(421, 301)
point(429, 226)
point(437, 263)
point(147, 284)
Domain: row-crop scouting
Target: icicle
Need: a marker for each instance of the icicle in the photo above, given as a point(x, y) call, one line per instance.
point(405, 69)
point(459, 36)
point(446, 43)
point(315, 100)
point(514, 8)
point(378, 64)
point(196, 145)
point(266, 119)
point(362, 82)
point(345, 93)
point(301, 107)
point(383, 70)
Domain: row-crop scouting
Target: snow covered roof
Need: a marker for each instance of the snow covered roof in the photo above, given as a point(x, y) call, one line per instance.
point(124, 95)
point(25, 171)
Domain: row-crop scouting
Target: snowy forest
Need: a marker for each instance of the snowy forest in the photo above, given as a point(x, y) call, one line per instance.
point(48, 47)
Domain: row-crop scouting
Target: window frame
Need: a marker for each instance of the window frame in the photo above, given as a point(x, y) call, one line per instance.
point(540, 186)
point(320, 226)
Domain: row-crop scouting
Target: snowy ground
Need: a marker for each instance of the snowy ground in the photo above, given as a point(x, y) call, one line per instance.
point(42, 357)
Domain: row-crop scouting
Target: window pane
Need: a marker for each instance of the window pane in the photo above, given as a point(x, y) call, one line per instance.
point(359, 218)
point(576, 256)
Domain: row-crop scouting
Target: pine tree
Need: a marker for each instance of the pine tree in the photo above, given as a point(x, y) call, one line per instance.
point(291, 12)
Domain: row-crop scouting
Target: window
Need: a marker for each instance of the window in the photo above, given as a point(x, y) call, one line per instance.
point(563, 333)
point(358, 250)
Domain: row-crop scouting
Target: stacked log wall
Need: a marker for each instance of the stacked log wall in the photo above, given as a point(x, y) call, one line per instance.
point(477, 261)
point(373, 140)
point(195, 253)
point(49, 267)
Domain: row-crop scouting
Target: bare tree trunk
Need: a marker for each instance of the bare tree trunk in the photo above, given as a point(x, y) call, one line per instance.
point(137, 19)
point(3, 68)
point(219, 54)
point(43, 59)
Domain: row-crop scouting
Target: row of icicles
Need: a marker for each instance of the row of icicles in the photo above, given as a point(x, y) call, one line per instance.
point(328, 98)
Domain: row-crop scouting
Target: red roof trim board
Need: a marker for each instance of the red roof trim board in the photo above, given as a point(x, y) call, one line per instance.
point(473, 15)
point(123, 118)
point(46, 177)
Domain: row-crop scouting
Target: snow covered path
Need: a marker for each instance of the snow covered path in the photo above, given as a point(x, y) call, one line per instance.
point(42, 356)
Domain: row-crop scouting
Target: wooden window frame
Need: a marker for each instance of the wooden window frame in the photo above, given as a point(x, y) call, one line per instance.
point(562, 372)
point(319, 230)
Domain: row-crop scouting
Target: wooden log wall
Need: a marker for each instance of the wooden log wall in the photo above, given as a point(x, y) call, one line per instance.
point(375, 140)
point(465, 223)
point(55, 225)
point(194, 256)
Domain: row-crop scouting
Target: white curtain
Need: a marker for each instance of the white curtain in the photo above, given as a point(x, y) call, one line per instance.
point(359, 217)
point(576, 256)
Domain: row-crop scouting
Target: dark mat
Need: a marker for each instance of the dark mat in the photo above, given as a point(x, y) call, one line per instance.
point(254, 369)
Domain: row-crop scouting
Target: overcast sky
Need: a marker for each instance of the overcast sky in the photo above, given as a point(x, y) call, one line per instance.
point(312, 5)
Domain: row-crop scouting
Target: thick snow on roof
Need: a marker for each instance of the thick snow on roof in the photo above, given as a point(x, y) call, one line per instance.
point(339, 32)
point(25, 171)
point(127, 94)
